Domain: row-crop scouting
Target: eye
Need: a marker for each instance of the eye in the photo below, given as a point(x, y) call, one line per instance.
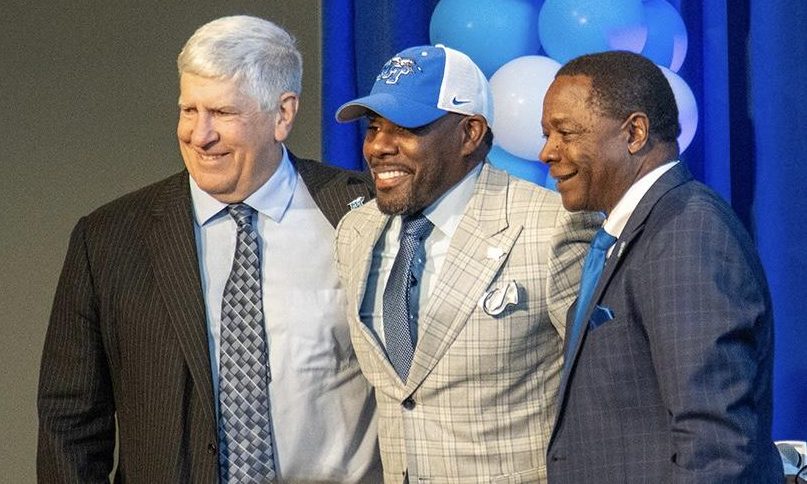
point(187, 110)
point(222, 113)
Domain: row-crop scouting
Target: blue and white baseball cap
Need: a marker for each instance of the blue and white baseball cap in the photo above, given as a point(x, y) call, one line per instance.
point(421, 84)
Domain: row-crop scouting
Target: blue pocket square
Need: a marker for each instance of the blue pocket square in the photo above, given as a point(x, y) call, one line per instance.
point(599, 316)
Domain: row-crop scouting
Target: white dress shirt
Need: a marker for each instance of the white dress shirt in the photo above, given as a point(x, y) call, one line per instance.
point(322, 408)
point(445, 213)
point(618, 218)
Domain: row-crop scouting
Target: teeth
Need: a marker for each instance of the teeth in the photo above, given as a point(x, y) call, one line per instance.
point(387, 175)
point(210, 157)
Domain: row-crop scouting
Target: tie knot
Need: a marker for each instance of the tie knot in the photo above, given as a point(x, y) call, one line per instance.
point(416, 225)
point(242, 213)
point(602, 240)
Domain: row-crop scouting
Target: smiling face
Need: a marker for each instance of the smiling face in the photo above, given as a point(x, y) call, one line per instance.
point(230, 147)
point(587, 153)
point(413, 167)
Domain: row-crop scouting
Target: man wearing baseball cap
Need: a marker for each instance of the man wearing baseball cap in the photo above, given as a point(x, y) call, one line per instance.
point(458, 278)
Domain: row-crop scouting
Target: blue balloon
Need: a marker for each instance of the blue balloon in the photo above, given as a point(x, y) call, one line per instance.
point(570, 28)
point(666, 35)
point(489, 32)
point(533, 171)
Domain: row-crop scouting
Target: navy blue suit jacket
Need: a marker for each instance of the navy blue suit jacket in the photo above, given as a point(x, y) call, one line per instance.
point(671, 380)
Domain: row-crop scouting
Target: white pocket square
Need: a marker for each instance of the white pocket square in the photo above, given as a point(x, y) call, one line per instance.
point(497, 299)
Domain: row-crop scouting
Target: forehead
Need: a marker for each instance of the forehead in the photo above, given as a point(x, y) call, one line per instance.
point(568, 96)
point(210, 90)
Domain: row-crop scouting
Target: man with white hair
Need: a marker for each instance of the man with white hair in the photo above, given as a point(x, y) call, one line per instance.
point(203, 314)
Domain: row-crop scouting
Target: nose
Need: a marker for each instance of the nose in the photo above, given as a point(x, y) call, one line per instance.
point(203, 131)
point(379, 143)
point(549, 152)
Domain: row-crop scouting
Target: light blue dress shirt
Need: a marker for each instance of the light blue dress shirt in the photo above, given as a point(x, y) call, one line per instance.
point(322, 407)
point(445, 213)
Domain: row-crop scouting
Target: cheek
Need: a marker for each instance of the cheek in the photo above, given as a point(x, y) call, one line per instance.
point(183, 130)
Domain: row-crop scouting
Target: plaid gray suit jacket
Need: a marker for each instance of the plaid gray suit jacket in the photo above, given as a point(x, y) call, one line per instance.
point(676, 385)
point(480, 398)
point(127, 341)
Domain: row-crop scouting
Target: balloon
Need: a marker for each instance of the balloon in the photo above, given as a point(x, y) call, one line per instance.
point(569, 28)
point(533, 171)
point(687, 108)
point(489, 32)
point(666, 35)
point(518, 89)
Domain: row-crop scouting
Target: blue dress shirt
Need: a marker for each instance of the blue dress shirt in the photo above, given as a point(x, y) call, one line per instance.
point(322, 408)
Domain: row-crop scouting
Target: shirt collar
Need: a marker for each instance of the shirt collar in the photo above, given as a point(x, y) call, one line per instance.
point(445, 212)
point(618, 218)
point(271, 199)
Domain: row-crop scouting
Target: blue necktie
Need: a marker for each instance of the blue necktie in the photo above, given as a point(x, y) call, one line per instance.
point(592, 268)
point(400, 290)
point(245, 429)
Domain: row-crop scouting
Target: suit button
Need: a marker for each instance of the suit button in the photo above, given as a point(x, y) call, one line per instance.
point(409, 403)
point(211, 448)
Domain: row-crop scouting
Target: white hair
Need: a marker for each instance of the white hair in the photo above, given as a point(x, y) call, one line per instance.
point(256, 53)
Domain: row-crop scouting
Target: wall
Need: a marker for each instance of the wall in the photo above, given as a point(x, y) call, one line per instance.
point(88, 95)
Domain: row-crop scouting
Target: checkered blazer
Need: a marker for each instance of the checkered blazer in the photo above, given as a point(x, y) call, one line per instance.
point(479, 402)
point(674, 385)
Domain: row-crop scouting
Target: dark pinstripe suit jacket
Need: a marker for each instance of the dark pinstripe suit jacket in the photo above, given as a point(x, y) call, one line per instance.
point(677, 386)
point(127, 338)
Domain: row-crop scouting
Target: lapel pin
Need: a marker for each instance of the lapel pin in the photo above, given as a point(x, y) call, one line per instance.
point(356, 203)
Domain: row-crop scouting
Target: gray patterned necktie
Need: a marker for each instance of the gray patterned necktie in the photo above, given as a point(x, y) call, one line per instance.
point(401, 288)
point(245, 429)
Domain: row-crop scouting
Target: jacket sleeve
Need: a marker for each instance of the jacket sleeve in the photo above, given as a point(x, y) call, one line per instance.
point(75, 401)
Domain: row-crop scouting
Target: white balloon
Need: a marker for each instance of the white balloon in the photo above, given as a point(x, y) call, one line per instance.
point(687, 107)
point(518, 90)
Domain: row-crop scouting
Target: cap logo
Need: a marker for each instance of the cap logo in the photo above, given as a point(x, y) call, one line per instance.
point(396, 67)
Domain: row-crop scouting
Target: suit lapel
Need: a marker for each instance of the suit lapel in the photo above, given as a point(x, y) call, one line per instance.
point(477, 251)
point(176, 271)
point(367, 233)
point(672, 178)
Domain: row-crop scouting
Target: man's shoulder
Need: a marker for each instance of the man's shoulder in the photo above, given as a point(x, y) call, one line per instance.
point(319, 174)
point(335, 190)
point(138, 203)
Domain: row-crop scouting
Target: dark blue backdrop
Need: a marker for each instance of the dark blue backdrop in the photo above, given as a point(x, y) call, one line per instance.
point(746, 64)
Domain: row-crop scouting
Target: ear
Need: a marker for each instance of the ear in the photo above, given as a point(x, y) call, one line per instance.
point(286, 113)
point(474, 129)
point(637, 127)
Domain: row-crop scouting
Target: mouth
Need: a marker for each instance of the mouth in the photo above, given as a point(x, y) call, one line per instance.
point(387, 177)
point(212, 159)
point(560, 179)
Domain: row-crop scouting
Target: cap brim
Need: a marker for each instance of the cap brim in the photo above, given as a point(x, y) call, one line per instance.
point(402, 112)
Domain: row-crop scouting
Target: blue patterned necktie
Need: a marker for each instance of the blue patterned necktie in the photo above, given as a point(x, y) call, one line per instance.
point(592, 269)
point(245, 430)
point(401, 288)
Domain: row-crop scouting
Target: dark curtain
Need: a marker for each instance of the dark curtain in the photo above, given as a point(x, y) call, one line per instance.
point(746, 64)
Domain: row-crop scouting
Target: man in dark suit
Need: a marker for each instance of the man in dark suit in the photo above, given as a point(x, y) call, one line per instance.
point(668, 366)
point(203, 314)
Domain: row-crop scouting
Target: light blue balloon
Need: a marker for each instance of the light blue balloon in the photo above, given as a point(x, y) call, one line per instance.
point(666, 35)
point(570, 28)
point(533, 171)
point(489, 32)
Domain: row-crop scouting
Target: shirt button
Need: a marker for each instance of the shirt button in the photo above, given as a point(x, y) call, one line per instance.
point(409, 403)
point(211, 448)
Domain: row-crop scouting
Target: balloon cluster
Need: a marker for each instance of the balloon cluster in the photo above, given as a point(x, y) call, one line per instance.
point(521, 44)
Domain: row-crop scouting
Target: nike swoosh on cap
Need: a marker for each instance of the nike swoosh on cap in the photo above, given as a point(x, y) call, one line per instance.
point(459, 102)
